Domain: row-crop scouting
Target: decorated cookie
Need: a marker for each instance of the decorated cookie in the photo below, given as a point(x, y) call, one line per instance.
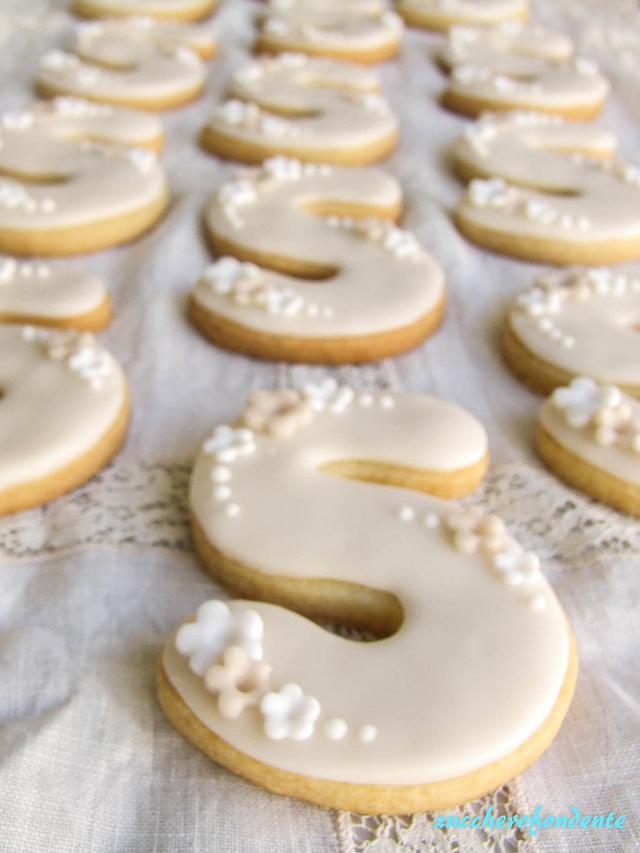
point(337, 34)
point(39, 293)
point(74, 182)
point(137, 62)
point(380, 293)
point(176, 10)
point(314, 109)
point(63, 413)
point(589, 434)
point(576, 323)
point(547, 191)
point(516, 67)
point(327, 503)
point(442, 14)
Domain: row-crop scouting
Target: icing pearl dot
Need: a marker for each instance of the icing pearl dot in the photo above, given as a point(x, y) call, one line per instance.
point(222, 493)
point(430, 520)
point(367, 734)
point(233, 510)
point(366, 400)
point(387, 402)
point(229, 454)
point(221, 474)
point(537, 602)
point(568, 342)
point(335, 729)
point(406, 513)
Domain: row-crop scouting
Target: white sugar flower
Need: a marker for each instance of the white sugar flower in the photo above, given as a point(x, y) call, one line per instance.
point(289, 713)
point(283, 168)
point(216, 628)
point(517, 565)
point(328, 395)
point(229, 443)
point(583, 398)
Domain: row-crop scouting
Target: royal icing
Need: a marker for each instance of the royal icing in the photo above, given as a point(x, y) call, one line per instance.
point(61, 392)
point(583, 321)
point(72, 163)
point(305, 107)
point(442, 14)
point(598, 423)
point(331, 32)
point(514, 66)
point(430, 704)
point(46, 293)
point(138, 61)
point(267, 212)
point(355, 7)
point(178, 9)
point(549, 181)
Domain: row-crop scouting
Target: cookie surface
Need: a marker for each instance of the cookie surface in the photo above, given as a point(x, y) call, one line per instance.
point(73, 180)
point(443, 14)
point(516, 67)
point(366, 38)
point(60, 296)
point(63, 413)
point(311, 108)
point(576, 323)
point(323, 502)
point(548, 191)
point(176, 10)
point(330, 287)
point(589, 435)
point(133, 62)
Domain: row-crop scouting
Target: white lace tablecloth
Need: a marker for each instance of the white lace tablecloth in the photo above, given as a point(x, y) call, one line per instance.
point(91, 584)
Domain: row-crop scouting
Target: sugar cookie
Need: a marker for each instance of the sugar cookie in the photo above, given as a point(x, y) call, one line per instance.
point(336, 34)
point(381, 294)
point(137, 62)
point(322, 502)
point(515, 67)
point(38, 293)
point(589, 435)
point(576, 323)
point(314, 109)
point(63, 413)
point(548, 191)
point(176, 10)
point(70, 182)
point(442, 14)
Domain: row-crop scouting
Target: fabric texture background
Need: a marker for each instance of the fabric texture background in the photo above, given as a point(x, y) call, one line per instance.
point(91, 584)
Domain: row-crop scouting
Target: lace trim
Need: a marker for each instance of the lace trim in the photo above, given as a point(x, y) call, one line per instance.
point(417, 833)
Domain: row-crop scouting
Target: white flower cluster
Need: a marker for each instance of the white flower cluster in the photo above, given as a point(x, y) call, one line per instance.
point(401, 243)
point(83, 74)
point(78, 350)
point(289, 169)
point(216, 628)
point(552, 291)
point(497, 194)
point(472, 75)
point(14, 196)
point(79, 107)
point(145, 161)
point(474, 531)
point(10, 269)
point(250, 117)
point(328, 395)
point(246, 285)
point(612, 417)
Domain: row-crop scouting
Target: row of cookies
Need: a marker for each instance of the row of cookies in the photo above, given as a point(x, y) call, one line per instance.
point(288, 509)
point(544, 187)
point(78, 175)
